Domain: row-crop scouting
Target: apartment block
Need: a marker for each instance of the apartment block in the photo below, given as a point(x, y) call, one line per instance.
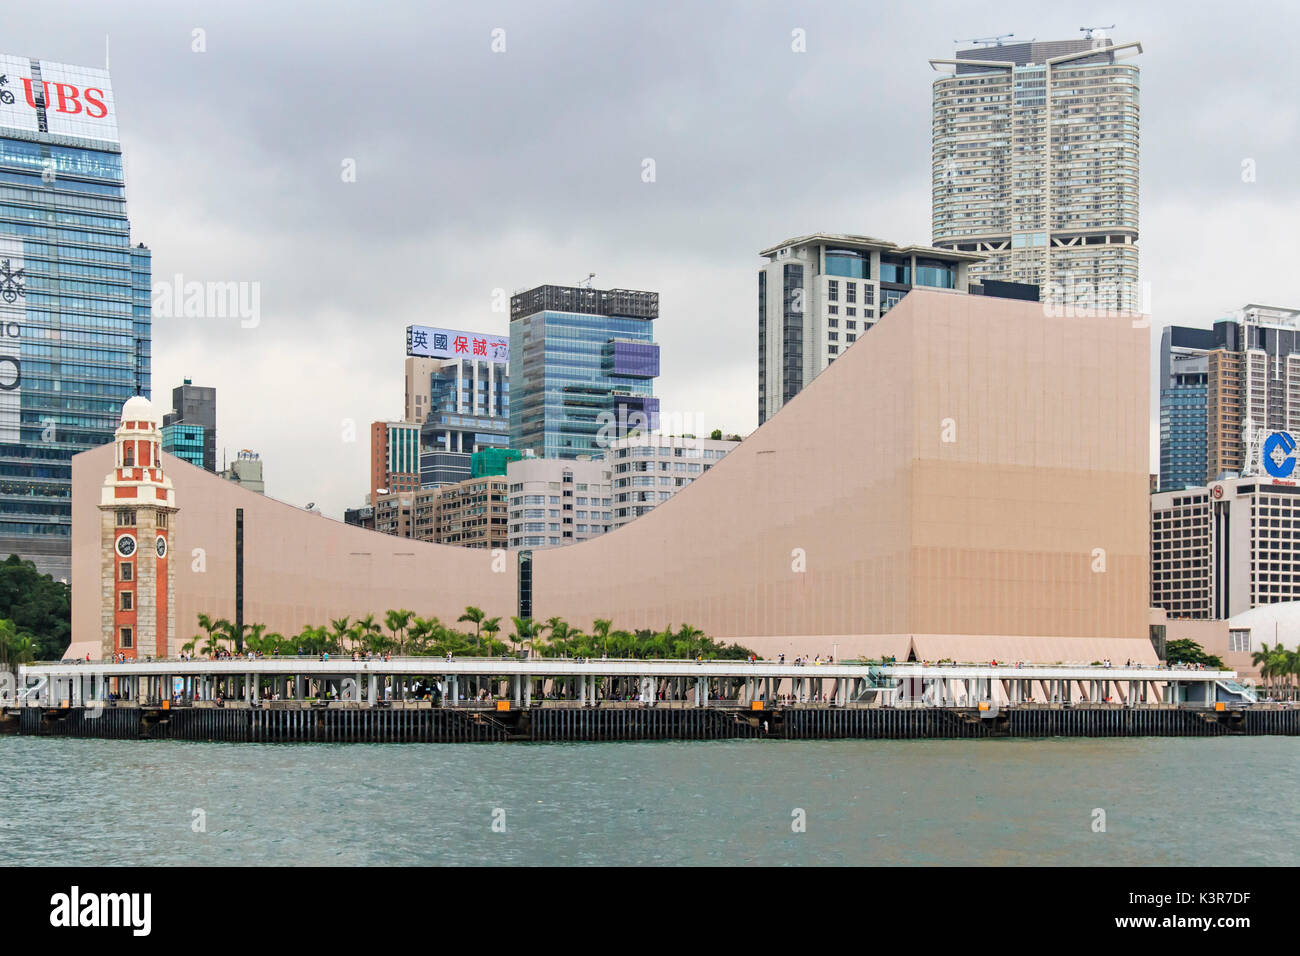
point(647, 470)
point(556, 501)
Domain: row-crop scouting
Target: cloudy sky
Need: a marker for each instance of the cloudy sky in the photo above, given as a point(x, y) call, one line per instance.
point(479, 170)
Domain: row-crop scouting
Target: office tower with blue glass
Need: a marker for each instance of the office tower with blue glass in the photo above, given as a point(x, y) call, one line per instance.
point(1184, 396)
point(582, 366)
point(190, 428)
point(75, 310)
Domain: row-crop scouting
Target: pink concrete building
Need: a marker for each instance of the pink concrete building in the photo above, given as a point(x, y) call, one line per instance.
point(968, 481)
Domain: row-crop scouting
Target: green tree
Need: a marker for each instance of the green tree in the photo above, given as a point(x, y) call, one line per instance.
point(1186, 651)
point(474, 615)
point(342, 632)
point(212, 633)
point(397, 623)
point(525, 631)
point(492, 627)
point(39, 607)
point(15, 646)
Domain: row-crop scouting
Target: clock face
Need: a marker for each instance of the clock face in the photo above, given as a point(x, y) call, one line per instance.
point(161, 546)
point(126, 546)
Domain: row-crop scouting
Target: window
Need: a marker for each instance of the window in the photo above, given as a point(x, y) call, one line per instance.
point(125, 637)
point(126, 571)
point(847, 263)
point(125, 517)
point(852, 290)
point(833, 290)
point(162, 519)
point(124, 600)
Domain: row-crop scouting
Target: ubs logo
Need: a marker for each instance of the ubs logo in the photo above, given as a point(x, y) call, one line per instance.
point(65, 98)
point(1279, 455)
point(12, 284)
point(11, 288)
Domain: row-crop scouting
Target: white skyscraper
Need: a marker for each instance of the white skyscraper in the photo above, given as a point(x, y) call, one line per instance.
point(1035, 166)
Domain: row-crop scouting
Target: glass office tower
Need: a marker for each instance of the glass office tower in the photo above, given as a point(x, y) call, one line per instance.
point(582, 368)
point(1184, 402)
point(74, 296)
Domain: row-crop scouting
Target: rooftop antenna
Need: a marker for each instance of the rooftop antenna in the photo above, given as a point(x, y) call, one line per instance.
point(586, 283)
point(1097, 32)
point(989, 41)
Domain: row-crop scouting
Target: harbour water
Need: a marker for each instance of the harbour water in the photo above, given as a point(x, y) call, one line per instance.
point(1182, 802)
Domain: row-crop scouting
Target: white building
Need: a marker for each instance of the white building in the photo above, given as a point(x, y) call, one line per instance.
point(647, 470)
point(555, 501)
point(246, 471)
point(818, 293)
point(1219, 551)
point(1035, 165)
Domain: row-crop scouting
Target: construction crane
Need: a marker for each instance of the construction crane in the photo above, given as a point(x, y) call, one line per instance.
point(989, 41)
point(1099, 32)
point(586, 283)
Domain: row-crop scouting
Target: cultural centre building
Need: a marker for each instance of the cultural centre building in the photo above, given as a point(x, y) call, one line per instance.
point(968, 481)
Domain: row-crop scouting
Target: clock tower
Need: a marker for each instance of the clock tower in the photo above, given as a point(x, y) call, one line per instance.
point(137, 516)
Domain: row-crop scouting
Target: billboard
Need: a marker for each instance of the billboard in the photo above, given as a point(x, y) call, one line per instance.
point(72, 100)
point(429, 342)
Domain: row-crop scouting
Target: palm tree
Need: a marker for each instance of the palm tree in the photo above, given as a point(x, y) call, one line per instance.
point(690, 635)
point(255, 640)
point(234, 633)
point(600, 628)
point(397, 622)
point(491, 627)
point(1271, 662)
point(475, 616)
point(15, 648)
point(342, 632)
point(212, 631)
point(368, 632)
point(525, 631)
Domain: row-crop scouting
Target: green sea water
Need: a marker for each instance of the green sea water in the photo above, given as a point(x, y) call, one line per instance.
point(1183, 802)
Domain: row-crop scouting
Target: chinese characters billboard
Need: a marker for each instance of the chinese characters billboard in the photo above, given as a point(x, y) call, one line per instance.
point(428, 342)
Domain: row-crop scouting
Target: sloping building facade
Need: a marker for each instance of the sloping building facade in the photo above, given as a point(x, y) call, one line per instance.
point(968, 481)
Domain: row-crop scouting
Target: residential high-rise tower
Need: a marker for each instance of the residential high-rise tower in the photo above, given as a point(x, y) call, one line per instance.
point(1035, 166)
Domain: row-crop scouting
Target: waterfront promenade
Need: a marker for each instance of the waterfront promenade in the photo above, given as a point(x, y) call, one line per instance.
point(518, 681)
point(423, 699)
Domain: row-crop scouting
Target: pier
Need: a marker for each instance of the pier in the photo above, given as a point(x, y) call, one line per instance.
point(421, 699)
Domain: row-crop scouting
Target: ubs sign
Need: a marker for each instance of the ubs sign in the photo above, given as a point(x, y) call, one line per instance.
point(43, 96)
